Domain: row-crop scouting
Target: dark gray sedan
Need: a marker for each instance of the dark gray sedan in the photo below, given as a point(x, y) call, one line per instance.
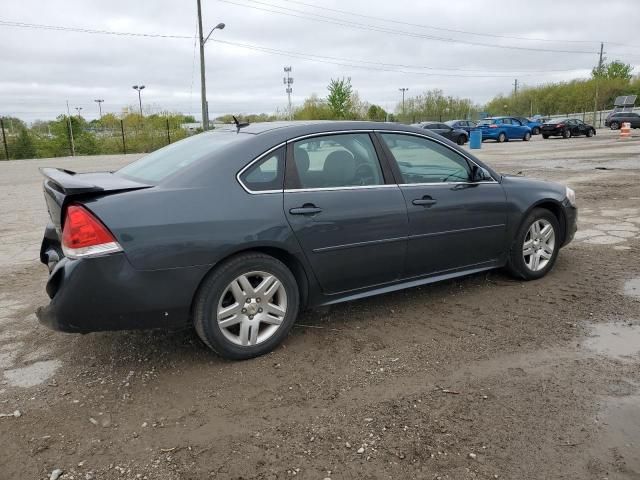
point(235, 231)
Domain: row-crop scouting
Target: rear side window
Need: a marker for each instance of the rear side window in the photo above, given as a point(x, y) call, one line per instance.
point(267, 174)
point(334, 161)
point(162, 163)
point(423, 161)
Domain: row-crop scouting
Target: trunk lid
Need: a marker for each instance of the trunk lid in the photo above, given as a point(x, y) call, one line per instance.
point(60, 186)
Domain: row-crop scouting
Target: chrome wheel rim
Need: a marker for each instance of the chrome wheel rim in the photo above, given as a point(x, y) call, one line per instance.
point(252, 308)
point(539, 245)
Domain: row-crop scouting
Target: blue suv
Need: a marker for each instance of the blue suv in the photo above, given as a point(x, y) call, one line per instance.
point(503, 129)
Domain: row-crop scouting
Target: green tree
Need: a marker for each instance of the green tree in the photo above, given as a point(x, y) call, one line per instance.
point(376, 113)
point(613, 70)
point(23, 146)
point(313, 108)
point(340, 97)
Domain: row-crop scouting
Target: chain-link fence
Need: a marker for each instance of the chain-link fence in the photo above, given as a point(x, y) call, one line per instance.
point(67, 136)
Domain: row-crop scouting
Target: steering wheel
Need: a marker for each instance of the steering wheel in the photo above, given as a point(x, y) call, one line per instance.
point(364, 175)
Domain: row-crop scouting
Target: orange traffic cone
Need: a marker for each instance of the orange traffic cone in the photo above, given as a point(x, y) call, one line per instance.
point(625, 130)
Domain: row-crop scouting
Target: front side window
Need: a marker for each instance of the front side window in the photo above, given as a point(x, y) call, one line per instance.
point(506, 121)
point(334, 161)
point(424, 161)
point(266, 174)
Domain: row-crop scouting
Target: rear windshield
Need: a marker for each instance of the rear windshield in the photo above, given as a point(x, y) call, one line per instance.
point(562, 120)
point(486, 122)
point(162, 163)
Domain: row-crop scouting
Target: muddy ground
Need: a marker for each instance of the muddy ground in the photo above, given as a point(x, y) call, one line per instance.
point(483, 377)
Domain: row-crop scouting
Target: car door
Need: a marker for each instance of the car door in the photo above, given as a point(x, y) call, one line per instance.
point(507, 126)
point(580, 128)
point(574, 128)
point(347, 213)
point(453, 223)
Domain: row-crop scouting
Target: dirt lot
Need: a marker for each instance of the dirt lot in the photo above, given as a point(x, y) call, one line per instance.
point(483, 377)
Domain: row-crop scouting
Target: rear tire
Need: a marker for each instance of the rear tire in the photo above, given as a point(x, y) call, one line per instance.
point(545, 136)
point(502, 138)
point(536, 131)
point(566, 134)
point(525, 266)
point(224, 315)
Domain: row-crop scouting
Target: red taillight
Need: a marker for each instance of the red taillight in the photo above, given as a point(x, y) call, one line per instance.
point(493, 125)
point(84, 235)
point(560, 125)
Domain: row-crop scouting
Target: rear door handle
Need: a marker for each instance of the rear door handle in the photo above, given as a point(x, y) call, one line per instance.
point(306, 209)
point(425, 201)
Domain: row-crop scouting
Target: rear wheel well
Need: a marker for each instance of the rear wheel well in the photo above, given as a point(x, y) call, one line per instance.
point(291, 262)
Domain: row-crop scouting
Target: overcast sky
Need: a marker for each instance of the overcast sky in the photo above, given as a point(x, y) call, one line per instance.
point(40, 69)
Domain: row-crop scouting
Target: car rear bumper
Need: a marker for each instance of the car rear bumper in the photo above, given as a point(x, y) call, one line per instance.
point(552, 132)
point(107, 293)
point(490, 133)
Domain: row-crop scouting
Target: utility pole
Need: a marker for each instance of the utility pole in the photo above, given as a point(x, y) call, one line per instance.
point(288, 81)
point(403, 89)
point(515, 88)
point(4, 139)
point(203, 86)
point(596, 79)
point(99, 102)
point(203, 82)
point(73, 146)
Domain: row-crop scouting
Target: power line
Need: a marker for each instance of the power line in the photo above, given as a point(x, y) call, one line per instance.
point(39, 26)
point(451, 30)
point(363, 26)
point(376, 66)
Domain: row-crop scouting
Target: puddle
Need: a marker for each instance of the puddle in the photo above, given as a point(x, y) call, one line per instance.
point(32, 375)
point(632, 287)
point(615, 340)
point(620, 421)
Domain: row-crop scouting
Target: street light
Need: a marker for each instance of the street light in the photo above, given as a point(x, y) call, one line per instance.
point(139, 89)
point(78, 110)
point(99, 102)
point(203, 86)
point(403, 90)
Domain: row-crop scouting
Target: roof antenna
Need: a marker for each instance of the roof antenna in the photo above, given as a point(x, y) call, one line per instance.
point(238, 124)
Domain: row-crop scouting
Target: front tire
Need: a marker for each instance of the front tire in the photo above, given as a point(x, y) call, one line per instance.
point(535, 248)
point(566, 134)
point(536, 131)
point(527, 137)
point(545, 136)
point(590, 133)
point(246, 306)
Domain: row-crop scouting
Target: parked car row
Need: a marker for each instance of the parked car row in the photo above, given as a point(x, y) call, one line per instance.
point(615, 120)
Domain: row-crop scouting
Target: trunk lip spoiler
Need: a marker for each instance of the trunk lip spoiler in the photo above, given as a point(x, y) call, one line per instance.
point(72, 183)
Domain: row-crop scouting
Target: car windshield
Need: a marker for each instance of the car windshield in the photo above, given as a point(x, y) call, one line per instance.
point(157, 166)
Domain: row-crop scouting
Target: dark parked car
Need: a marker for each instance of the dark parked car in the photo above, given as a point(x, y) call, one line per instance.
point(236, 232)
point(566, 128)
point(454, 134)
point(615, 120)
point(466, 125)
point(503, 129)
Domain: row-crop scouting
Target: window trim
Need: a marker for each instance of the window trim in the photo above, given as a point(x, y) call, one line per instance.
point(399, 181)
point(387, 163)
point(255, 160)
point(290, 169)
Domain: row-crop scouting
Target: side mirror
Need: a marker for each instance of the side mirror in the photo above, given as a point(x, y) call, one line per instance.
point(479, 174)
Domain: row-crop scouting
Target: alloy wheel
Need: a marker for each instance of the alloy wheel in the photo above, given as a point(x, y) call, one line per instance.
point(252, 308)
point(539, 245)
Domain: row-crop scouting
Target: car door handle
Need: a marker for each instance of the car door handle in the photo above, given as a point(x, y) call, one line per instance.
point(306, 209)
point(425, 201)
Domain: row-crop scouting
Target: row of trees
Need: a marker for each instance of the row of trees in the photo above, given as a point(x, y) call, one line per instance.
point(111, 134)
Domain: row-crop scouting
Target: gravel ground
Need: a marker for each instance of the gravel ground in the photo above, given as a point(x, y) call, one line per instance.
point(481, 377)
